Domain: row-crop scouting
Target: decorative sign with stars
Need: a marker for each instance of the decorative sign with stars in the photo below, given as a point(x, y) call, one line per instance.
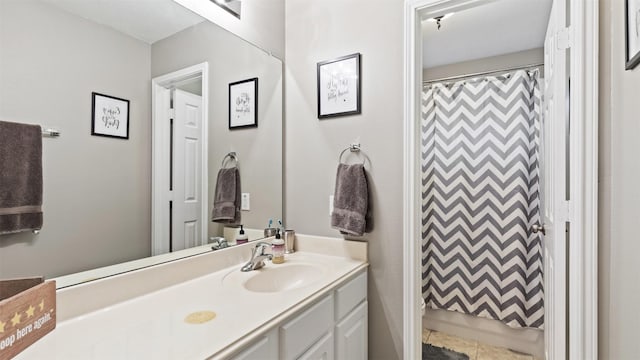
point(27, 313)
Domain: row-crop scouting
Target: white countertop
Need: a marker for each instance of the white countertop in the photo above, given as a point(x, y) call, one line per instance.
point(152, 326)
point(98, 273)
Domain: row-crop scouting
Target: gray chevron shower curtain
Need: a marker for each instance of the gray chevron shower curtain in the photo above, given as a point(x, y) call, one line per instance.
point(480, 197)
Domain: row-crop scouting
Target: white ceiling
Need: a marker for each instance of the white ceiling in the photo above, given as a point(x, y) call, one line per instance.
point(500, 27)
point(146, 20)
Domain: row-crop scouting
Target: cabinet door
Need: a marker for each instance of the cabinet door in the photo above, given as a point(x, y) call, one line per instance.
point(306, 329)
point(322, 350)
point(351, 335)
point(265, 348)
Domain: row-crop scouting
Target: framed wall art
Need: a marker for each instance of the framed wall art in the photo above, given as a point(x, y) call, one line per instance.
point(632, 33)
point(339, 86)
point(243, 104)
point(109, 116)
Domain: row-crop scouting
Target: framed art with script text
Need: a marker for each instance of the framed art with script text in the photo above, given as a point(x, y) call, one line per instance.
point(243, 104)
point(339, 87)
point(109, 116)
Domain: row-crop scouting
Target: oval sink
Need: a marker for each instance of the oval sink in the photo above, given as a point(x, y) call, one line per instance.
point(283, 277)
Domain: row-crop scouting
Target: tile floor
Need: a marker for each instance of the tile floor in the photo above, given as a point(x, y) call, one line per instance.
point(474, 349)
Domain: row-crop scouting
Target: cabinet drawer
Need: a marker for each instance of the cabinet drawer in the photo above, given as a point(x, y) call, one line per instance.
point(350, 295)
point(299, 334)
point(264, 348)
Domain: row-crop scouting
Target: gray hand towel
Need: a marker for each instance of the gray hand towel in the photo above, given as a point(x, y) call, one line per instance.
point(226, 201)
point(20, 177)
point(351, 205)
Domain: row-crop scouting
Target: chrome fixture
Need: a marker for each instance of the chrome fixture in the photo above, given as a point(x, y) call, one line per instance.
point(218, 243)
point(354, 148)
point(257, 257)
point(50, 132)
point(232, 156)
point(536, 228)
point(233, 7)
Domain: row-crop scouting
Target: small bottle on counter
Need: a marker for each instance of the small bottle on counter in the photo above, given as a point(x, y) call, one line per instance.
point(242, 238)
point(277, 246)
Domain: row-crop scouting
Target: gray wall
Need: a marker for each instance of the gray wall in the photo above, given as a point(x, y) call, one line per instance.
point(259, 149)
point(322, 30)
point(261, 22)
point(493, 63)
point(619, 193)
point(96, 189)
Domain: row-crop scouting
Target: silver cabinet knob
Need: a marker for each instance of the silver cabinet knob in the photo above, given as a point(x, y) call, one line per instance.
point(538, 228)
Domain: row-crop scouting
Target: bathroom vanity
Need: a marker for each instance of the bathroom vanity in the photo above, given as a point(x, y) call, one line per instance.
point(312, 306)
point(334, 327)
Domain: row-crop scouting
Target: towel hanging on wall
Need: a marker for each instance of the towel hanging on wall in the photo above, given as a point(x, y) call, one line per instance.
point(20, 178)
point(226, 200)
point(351, 202)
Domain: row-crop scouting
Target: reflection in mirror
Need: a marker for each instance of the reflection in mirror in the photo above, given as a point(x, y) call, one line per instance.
point(234, 7)
point(100, 202)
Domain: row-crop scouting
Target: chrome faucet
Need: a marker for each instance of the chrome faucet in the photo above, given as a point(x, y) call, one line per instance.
point(218, 243)
point(257, 257)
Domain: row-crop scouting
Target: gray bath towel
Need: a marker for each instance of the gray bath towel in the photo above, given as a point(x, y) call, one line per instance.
point(226, 200)
point(20, 177)
point(351, 202)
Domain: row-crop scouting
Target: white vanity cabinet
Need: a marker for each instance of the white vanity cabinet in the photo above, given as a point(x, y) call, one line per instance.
point(312, 326)
point(334, 327)
point(266, 347)
point(351, 335)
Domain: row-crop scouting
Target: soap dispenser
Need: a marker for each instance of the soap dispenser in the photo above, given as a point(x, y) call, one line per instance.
point(277, 247)
point(242, 238)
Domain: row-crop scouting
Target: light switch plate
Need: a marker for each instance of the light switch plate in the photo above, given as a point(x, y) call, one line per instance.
point(330, 205)
point(245, 204)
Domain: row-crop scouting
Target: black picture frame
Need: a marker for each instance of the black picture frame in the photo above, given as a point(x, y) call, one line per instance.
point(107, 115)
point(632, 56)
point(326, 91)
point(243, 104)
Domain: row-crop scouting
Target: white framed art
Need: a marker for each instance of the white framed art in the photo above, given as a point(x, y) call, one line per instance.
point(339, 86)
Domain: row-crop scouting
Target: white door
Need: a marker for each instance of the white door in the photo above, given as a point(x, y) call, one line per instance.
point(554, 139)
point(186, 214)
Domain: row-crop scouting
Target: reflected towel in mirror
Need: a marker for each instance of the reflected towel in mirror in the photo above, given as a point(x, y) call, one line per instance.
point(226, 200)
point(20, 177)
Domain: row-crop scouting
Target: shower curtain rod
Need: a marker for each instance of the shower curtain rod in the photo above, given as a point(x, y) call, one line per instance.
point(492, 72)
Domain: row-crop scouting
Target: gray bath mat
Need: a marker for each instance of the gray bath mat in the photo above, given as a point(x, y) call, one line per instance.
point(430, 352)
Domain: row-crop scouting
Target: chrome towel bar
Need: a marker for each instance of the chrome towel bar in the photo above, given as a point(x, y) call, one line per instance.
point(50, 133)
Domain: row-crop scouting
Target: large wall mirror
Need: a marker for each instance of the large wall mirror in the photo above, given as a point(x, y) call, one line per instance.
point(100, 203)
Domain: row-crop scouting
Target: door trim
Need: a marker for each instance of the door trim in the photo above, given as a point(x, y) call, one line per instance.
point(583, 272)
point(160, 154)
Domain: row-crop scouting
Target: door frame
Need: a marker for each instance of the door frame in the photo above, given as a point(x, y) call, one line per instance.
point(583, 212)
point(160, 152)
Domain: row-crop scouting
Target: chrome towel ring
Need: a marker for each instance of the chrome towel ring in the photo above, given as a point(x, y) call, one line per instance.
point(354, 148)
point(233, 156)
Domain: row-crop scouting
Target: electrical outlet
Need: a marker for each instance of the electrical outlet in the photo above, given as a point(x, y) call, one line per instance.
point(330, 205)
point(245, 205)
